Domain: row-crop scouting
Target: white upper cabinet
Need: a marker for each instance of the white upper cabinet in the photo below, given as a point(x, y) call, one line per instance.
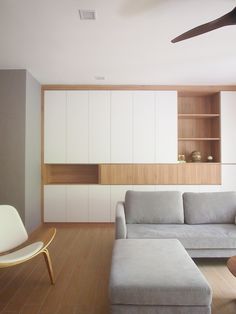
point(54, 127)
point(144, 127)
point(228, 127)
point(166, 127)
point(77, 127)
point(121, 127)
point(99, 126)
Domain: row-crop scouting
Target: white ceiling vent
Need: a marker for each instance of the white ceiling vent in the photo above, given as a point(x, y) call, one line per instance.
point(87, 14)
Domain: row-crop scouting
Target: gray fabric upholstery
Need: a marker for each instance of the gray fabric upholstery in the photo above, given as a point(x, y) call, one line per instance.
point(121, 230)
point(211, 253)
point(139, 309)
point(205, 208)
point(212, 236)
point(154, 207)
point(156, 272)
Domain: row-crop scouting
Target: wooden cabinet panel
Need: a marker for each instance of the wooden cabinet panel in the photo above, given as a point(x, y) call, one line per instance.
point(77, 127)
point(166, 127)
point(99, 127)
point(55, 127)
point(199, 173)
point(144, 127)
point(116, 174)
point(77, 203)
point(54, 203)
point(121, 127)
point(163, 174)
point(99, 203)
point(228, 127)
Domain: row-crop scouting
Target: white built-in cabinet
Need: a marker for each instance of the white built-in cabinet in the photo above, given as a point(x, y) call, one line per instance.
point(228, 127)
point(99, 127)
point(77, 127)
point(55, 126)
point(110, 127)
point(121, 127)
point(166, 127)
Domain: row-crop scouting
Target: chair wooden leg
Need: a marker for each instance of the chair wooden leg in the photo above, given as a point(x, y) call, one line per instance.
point(49, 265)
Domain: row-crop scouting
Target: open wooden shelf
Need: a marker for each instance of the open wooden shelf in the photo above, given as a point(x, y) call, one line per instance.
point(70, 174)
point(198, 115)
point(199, 125)
point(199, 138)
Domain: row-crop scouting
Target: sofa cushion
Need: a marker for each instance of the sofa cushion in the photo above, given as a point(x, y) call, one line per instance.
point(212, 236)
point(154, 207)
point(156, 272)
point(204, 208)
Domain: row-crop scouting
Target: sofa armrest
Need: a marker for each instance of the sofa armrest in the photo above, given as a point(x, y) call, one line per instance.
point(120, 222)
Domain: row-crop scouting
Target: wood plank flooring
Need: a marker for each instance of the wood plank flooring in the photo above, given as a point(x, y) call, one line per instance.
point(81, 256)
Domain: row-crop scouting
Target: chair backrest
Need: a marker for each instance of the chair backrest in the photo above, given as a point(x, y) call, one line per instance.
point(12, 230)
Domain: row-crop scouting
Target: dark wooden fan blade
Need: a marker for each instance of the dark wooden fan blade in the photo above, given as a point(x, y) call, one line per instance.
point(227, 19)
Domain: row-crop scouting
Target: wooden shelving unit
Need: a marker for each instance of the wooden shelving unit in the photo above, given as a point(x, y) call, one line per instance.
point(199, 125)
point(70, 174)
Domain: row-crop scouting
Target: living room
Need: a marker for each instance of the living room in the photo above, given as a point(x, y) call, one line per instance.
point(114, 138)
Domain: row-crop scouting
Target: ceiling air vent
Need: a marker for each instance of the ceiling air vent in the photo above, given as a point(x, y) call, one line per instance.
point(87, 14)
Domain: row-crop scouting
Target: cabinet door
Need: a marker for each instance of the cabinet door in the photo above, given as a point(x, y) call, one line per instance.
point(166, 127)
point(99, 203)
point(99, 127)
point(54, 127)
point(229, 177)
point(228, 127)
point(54, 203)
point(144, 127)
point(77, 203)
point(121, 127)
point(77, 127)
point(118, 195)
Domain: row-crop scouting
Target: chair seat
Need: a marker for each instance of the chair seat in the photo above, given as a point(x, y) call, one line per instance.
point(22, 254)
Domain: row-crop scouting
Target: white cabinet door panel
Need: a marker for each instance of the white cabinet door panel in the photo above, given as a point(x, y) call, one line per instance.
point(77, 203)
point(54, 127)
point(118, 195)
point(77, 127)
point(144, 127)
point(121, 126)
point(141, 188)
point(99, 127)
point(166, 127)
point(228, 127)
point(54, 203)
point(229, 177)
point(99, 203)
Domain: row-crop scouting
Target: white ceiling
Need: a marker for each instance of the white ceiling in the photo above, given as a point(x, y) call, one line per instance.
point(129, 43)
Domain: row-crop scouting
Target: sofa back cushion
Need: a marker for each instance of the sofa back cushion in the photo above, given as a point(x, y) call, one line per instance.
point(205, 208)
point(154, 207)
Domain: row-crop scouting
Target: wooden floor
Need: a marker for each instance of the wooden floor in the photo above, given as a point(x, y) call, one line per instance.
point(81, 256)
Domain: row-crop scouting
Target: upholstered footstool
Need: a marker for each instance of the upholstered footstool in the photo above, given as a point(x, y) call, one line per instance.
point(156, 276)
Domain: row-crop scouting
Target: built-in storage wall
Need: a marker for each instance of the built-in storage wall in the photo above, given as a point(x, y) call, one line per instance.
point(100, 143)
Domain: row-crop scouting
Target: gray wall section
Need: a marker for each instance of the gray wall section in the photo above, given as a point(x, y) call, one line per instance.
point(12, 138)
point(20, 144)
point(32, 154)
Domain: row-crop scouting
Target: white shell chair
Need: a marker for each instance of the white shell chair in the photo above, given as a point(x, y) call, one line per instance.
point(13, 234)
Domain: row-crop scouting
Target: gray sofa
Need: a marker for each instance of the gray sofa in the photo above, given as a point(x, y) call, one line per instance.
point(203, 222)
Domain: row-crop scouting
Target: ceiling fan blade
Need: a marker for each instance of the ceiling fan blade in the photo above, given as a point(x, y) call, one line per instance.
point(227, 19)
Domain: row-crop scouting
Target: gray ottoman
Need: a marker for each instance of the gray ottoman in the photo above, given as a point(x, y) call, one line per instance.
point(156, 276)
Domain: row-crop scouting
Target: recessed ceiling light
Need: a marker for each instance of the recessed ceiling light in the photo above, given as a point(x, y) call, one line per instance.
point(87, 14)
point(99, 78)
